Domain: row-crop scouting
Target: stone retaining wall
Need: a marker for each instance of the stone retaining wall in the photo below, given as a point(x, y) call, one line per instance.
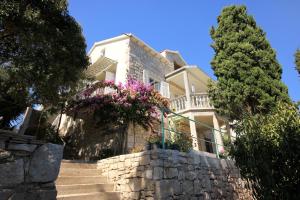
point(28, 168)
point(168, 174)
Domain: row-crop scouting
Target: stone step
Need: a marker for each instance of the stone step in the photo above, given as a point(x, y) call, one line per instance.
point(91, 196)
point(80, 165)
point(79, 172)
point(83, 188)
point(70, 180)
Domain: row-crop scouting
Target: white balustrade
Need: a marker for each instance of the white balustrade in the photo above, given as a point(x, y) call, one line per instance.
point(198, 100)
point(178, 103)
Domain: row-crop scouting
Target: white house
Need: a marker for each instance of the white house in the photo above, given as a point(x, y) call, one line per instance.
point(186, 85)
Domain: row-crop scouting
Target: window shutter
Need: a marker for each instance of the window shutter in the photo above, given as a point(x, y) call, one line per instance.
point(165, 89)
point(145, 77)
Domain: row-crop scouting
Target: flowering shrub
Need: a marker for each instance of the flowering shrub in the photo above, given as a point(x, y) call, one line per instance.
point(132, 102)
point(153, 138)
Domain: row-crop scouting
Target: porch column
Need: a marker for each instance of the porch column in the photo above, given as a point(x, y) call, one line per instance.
point(187, 89)
point(194, 133)
point(217, 134)
point(231, 132)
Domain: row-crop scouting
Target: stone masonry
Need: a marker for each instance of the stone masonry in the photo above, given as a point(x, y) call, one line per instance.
point(140, 59)
point(28, 168)
point(169, 174)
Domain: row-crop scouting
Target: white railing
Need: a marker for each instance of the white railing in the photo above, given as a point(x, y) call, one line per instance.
point(178, 103)
point(198, 101)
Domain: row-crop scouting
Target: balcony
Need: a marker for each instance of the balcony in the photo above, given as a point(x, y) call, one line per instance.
point(197, 101)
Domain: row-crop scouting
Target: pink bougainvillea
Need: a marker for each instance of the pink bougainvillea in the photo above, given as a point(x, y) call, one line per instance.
point(131, 102)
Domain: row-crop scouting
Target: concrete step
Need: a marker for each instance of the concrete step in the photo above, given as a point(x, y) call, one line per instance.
point(83, 188)
point(70, 180)
point(91, 196)
point(80, 165)
point(79, 172)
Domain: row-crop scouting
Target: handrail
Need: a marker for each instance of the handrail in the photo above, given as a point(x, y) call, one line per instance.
point(163, 129)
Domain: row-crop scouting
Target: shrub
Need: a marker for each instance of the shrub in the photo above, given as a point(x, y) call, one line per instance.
point(133, 102)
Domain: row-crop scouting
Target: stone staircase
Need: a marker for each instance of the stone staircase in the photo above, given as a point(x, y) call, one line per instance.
point(80, 180)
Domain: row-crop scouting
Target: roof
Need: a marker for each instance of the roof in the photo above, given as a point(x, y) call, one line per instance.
point(132, 38)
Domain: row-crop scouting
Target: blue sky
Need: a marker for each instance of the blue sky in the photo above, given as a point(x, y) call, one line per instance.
point(184, 25)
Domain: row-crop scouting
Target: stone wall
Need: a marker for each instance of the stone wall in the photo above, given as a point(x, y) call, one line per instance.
point(28, 168)
point(140, 59)
point(168, 174)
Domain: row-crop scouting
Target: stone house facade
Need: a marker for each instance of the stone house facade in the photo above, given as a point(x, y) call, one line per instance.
point(116, 59)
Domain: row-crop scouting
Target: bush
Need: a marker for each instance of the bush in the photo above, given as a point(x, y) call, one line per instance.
point(267, 151)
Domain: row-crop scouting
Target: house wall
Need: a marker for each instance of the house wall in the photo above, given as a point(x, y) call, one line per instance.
point(167, 174)
point(140, 59)
point(118, 51)
point(173, 57)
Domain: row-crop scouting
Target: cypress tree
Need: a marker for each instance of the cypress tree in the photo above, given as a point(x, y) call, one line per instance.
point(248, 73)
point(297, 60)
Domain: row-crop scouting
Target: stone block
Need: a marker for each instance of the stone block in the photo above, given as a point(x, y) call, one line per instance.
point(145, 160)
point(12, 173)
point(22, 147)
point(6, 194)
point(166, 188)
point(148, 174)
point(45, 163)
point(156, 162)
point(171, 173)
point(197, 187)
point(135, 184)
point(188, 187)
point(190, 175)
point(157, 173)
point(2, 145)
point(125, 188)
point(127, 162)
point(5, 155)
point(41, 195)
point(181, 175)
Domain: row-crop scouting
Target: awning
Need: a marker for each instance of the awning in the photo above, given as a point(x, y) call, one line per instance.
point(99, 66)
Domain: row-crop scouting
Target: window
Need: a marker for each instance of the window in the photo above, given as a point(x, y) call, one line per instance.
point(176, 66)
point(208, 145)
point(102, 52)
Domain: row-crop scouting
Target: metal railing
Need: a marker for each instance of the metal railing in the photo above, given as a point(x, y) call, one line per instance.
point(198, 100)
point(166, 129)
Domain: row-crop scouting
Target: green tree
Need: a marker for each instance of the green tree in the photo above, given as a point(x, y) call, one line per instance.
point(249, 90)
point(247, 71)
point(267, 152)
point(297, 60)
point(42, 55)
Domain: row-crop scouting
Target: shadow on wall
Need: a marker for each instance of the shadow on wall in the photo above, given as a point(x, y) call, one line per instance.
point(86, 141)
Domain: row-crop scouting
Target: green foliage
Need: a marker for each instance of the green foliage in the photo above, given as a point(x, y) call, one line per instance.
point(42, 55)
point(250, 92)
point(267, 152)
point(183, 141)
point(245, 65)
point(297, 60)
point(227, 146)
point(44, 130)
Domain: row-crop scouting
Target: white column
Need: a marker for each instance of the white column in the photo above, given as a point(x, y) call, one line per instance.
point(187, 89)
point(231, 132)
point(217, 134)
point(194, 133)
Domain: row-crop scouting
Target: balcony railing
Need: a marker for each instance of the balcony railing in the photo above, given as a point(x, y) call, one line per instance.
point(198, 101)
